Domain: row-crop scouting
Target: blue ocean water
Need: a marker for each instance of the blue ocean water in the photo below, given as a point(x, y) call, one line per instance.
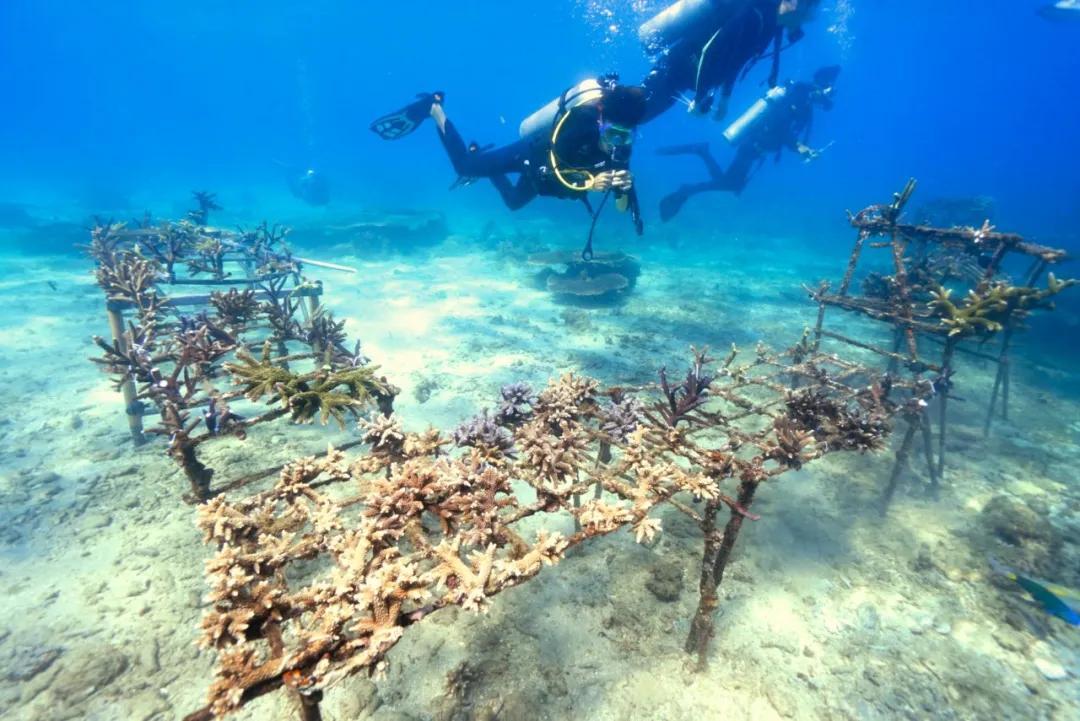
point(110, 109)
point(115, 107)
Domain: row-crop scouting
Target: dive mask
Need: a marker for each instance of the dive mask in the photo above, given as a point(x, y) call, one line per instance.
point(616, 135)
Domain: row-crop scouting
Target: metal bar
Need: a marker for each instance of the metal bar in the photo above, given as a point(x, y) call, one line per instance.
point(898, 466)
point(187, 300)
point(132, 407)
point(943, 399)
point(324, 264)
point(922, 365)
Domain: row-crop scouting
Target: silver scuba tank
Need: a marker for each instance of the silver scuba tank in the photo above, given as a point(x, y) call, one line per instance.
point(587, 91)
point(738, 130)
point(675, 22)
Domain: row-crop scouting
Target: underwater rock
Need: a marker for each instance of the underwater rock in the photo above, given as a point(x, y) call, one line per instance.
point(868, 618)
point(145, 706)
point(355, 698)
point(921, 622)
point(1014, 522)
point(85, 671)
point(148, 656)
point(424, 389)
point(94, 521)
point(1051, 670)
point(26, 662)
point(386, 714)
point(665, 581)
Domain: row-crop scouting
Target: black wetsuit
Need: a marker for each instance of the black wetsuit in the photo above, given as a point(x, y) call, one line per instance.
point(786, 124)
point(739, 32)
point(577, 148)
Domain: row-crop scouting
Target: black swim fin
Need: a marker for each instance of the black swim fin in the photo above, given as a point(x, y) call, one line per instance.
point(400, 123)
point(670, 205)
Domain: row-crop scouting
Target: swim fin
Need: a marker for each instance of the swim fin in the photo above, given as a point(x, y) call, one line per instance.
point(400, 123)
point(670, 205)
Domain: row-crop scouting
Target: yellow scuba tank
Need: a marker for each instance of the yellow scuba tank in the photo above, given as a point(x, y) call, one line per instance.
point(542, 121)
point(675, 22)
point(738, 130)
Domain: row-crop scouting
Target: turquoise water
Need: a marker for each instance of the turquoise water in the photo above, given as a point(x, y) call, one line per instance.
point(828, 610)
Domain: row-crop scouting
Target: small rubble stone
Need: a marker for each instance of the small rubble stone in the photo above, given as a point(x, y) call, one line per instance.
point(666, 581)
point(1051, 670)
point(28, 661)
point(87, 670)
point(96, 520)
point(1015, 522)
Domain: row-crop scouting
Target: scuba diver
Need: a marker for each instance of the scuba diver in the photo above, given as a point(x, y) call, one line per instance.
point(578, 143)
point(310, 187)
point(781, 119)
point(705, 46)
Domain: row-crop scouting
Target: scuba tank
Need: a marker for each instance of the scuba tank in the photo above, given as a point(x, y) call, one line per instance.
point(737, 131)
point(675, 22)
point(587, 91)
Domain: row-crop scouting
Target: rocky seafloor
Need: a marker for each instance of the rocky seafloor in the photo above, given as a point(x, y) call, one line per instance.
point(830, 611)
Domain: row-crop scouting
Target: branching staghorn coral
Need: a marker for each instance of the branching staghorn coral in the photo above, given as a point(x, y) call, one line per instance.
point(990, 306)
point(206, 203)
point(326, 392)
point(405, 529)
point(180, 364)
point(236, 308)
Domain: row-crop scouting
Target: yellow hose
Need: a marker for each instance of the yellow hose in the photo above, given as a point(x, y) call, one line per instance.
point(590, 178)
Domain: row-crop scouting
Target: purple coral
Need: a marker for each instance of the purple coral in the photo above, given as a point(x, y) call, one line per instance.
point(219, 417)
point(621, 418)
point(484, 431)
point(517, 399)
point(692, 393)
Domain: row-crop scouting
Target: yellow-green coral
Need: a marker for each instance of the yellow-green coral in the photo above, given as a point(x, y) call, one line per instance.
point(326, 392)
point(991, 305)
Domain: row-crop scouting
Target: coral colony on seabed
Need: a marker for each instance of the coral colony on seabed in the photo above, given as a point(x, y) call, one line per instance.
point(318, 577)
point(483, 404)
point(175, 356)
point(412, 523)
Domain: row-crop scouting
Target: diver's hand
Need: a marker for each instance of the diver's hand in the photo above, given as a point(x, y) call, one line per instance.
point(807, 153)
point(619, 180)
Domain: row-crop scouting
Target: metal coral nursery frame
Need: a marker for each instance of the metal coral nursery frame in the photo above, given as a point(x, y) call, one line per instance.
point(912, 319)
point(239, 260)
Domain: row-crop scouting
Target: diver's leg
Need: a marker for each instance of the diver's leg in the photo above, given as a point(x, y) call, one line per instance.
point(735, 178)
point(480, 164)
point(716, 173)
point(515, 196)
point(670, 205)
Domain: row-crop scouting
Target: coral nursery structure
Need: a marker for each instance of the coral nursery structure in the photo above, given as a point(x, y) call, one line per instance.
point(259, 340)
point(948, 293)
point(319, 577)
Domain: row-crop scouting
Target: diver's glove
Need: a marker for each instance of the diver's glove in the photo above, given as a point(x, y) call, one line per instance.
point(617, 180)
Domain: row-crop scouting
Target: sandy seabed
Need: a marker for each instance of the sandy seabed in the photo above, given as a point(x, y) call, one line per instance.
point(829, 610)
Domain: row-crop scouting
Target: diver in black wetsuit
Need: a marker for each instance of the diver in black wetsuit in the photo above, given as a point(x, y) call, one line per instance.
point(783, 122)
point(705, 55)
point(586, 148)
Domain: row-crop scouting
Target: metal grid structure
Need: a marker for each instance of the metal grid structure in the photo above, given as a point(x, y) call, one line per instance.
point(928, 331)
